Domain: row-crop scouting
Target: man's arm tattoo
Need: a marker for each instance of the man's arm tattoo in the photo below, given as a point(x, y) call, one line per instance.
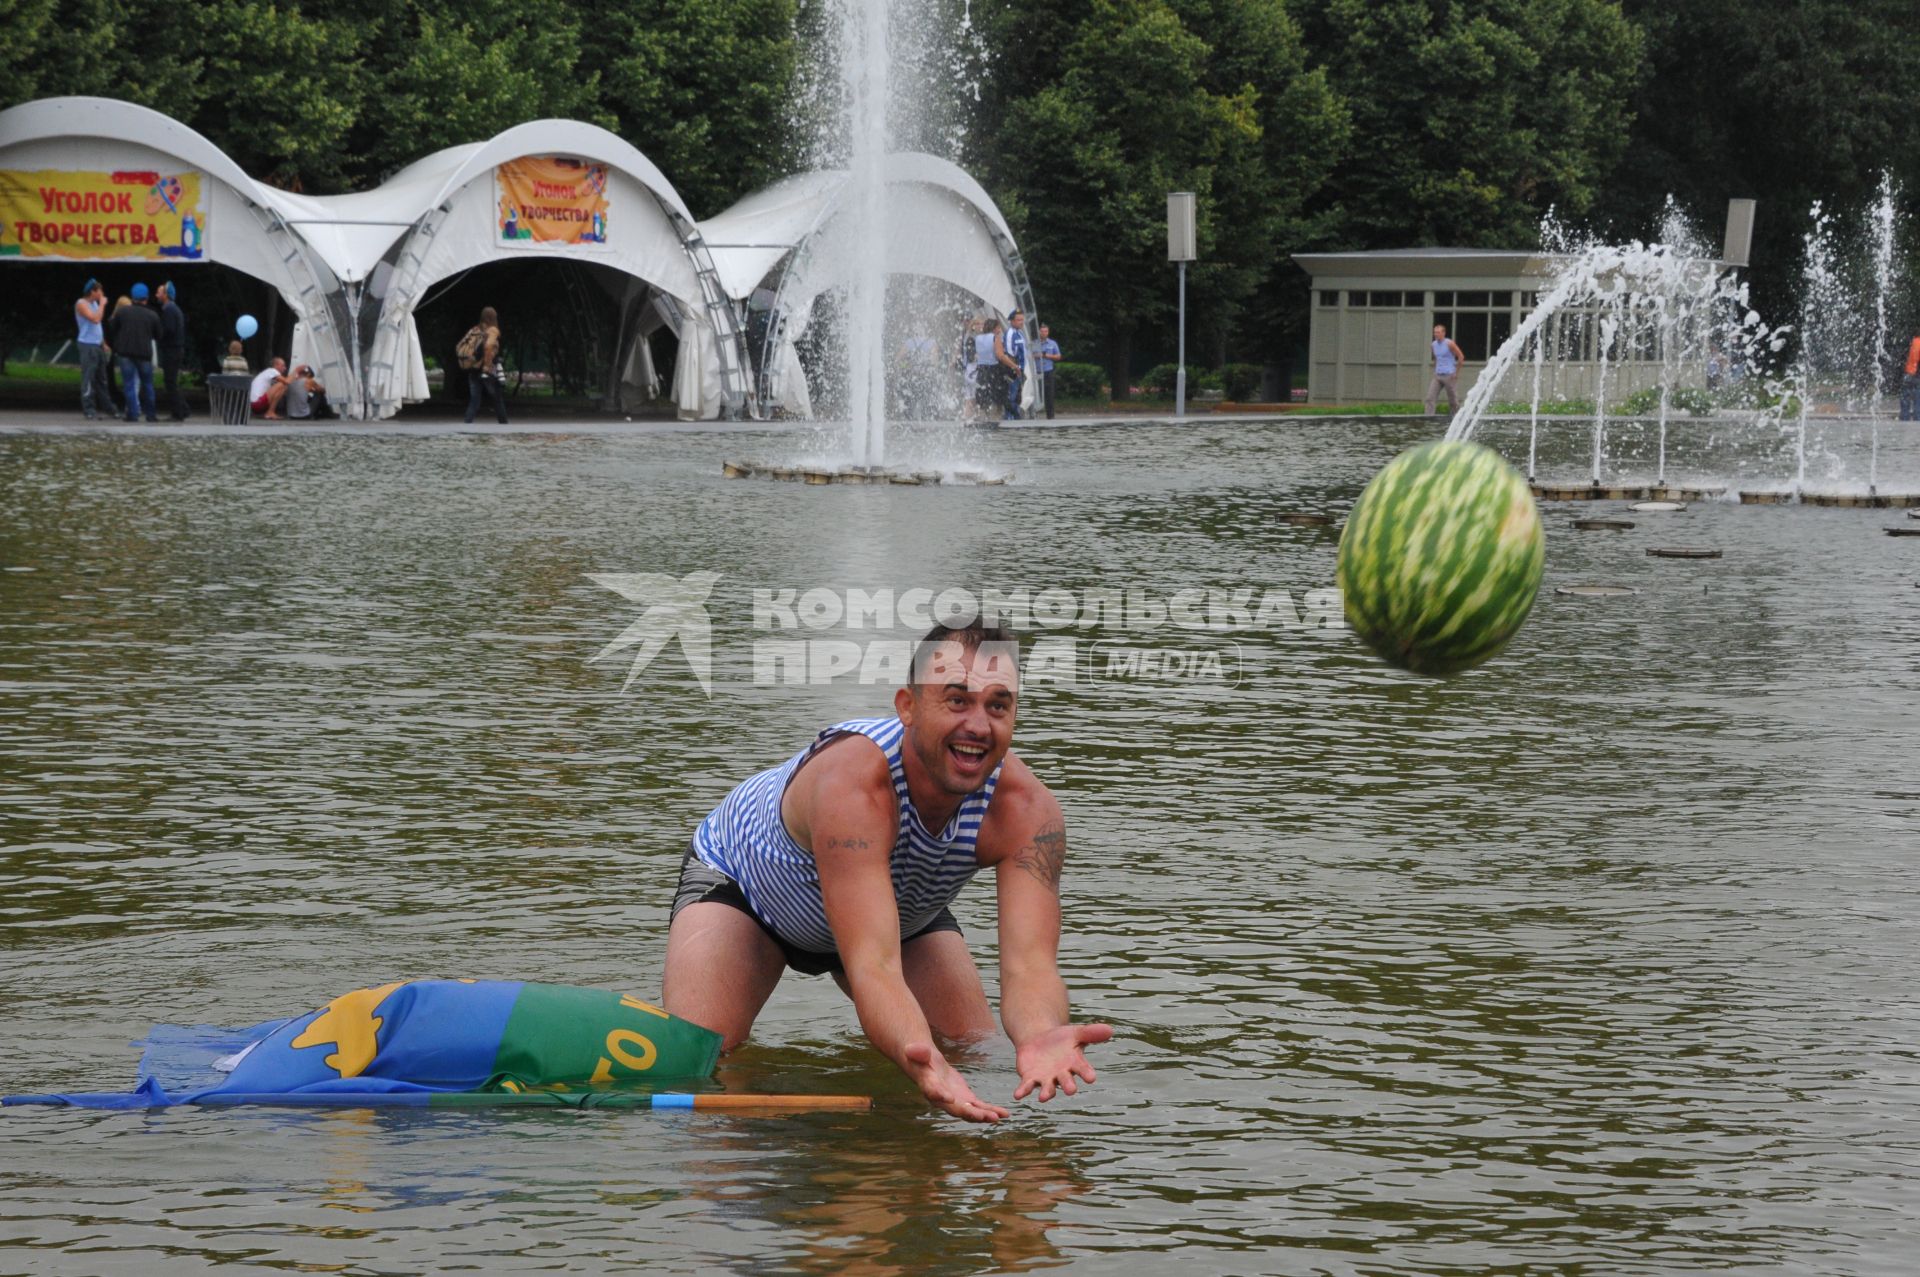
point(1046, 855)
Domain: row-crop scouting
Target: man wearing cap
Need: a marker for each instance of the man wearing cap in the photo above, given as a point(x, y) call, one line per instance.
point(89, 313)
point(173, 347)
point(132, 332)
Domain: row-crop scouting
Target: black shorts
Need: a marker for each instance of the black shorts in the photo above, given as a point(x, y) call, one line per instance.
point(702, 884)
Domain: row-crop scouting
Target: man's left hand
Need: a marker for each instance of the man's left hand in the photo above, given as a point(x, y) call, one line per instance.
point(1053, 1060)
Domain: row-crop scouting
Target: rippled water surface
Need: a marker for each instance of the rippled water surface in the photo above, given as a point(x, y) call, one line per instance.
point(1600, 959)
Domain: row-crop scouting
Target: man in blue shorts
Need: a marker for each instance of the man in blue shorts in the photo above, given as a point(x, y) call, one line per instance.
point(845, 859)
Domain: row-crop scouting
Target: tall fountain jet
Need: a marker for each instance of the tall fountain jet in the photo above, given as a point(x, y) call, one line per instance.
point(865, 67)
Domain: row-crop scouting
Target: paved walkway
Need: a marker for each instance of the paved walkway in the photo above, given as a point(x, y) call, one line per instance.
point(42, 421)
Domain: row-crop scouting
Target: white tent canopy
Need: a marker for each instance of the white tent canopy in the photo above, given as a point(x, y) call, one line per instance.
point(245, 229)
point(940, 224)
point(353, 268)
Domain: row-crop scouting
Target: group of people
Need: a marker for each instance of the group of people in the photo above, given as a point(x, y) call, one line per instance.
point(140, 330)
point(145, 328)
point(993, 363)
point(274, 388)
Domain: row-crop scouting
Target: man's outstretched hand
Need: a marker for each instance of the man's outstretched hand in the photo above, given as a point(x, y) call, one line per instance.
point(943, 1085)
point(1053, 1060)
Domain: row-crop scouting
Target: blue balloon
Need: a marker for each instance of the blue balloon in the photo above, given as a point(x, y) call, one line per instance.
point(246, 326)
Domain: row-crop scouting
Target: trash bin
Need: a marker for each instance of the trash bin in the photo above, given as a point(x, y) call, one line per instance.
point(227, 392)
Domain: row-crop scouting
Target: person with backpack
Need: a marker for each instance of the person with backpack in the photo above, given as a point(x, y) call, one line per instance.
point(479, 355)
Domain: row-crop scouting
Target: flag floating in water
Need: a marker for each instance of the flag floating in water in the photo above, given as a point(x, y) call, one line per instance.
point(440, 1043)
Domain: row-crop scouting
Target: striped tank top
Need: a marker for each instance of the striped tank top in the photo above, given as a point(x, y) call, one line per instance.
point(745, 839)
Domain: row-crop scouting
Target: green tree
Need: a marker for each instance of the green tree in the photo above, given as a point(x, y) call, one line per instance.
point(1783, 103)
point(1092, 113)
point(280, 90)
point(701, 87)
point(443, 74)
point(1472, 117)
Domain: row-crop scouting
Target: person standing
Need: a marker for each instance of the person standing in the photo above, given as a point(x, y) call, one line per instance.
point(89, 313)
point(484, 373)
point(1014, 359)
point(988, 381)
point(132, 332)
point(1446, 371)
point(173, 348)
point(1046, 353)
point(1910, 384)
point(969, 371)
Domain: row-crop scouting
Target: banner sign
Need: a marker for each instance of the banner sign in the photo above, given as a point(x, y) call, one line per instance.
point(128, 216)
point(552, 200)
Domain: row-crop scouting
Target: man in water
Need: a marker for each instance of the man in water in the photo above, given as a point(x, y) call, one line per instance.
point(826, 864)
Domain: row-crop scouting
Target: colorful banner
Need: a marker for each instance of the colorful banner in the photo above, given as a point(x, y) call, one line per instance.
point(552, 200)
point(422, 1041)
point(128, 216)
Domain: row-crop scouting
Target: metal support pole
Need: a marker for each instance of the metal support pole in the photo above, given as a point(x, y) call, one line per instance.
point(1180, 375)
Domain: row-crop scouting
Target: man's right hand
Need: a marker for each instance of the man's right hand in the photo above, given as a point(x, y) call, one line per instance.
point(943, 1086)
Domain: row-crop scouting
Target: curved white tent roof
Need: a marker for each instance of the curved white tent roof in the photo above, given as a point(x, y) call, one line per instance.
point(750, 239)
point(356, 230)
point(246, 228)
point(447, 205)
point(353, 267)
point(941, 224)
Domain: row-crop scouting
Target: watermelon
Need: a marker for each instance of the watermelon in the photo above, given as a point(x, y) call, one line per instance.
point(1441, 557)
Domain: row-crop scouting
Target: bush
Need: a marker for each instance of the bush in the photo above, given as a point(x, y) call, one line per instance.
point(1079, 381)
point(1695, 401)
point(1548, 408)
point(1160, 378)
point(1241, 382)
point(1646, 403)
point(1641, 403)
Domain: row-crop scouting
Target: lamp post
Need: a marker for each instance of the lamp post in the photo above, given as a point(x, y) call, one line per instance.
point(1182, 247)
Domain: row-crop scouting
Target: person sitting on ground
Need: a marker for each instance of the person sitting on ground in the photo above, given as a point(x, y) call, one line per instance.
point(268, 389)
point(236, 360)
point(306, 398)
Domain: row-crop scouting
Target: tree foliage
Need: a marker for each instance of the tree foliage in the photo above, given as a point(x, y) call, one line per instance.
point(1093, 112)
point(1784, 103)
point(330, 98)
point(1476, 115)
point(1299, 124)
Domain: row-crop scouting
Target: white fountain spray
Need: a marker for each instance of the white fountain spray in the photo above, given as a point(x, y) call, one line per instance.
point(1883, 219)
point(1824, 312)
point(1631, 299)
point(864, 64)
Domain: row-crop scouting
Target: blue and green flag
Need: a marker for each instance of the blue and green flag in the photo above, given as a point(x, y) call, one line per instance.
point(441, 1043)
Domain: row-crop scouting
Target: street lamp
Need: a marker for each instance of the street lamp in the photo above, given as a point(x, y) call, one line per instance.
point(1182, 247)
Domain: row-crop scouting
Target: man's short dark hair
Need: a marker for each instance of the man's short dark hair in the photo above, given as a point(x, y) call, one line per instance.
point(969, 636)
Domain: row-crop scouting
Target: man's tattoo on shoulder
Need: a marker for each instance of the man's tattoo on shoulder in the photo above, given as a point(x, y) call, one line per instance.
point(846, 844)
point(1046, 855)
